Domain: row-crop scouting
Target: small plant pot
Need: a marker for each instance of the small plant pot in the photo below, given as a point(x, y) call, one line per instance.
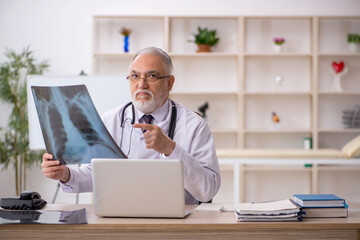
point(278, 48)
point(353, 47)
point(203, 48)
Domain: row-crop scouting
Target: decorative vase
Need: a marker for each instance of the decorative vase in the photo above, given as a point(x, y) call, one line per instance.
point(203, 48)
point(278, 48)
point(337, 84)
point(338, 70)
point(353, 47)
point(126, 44)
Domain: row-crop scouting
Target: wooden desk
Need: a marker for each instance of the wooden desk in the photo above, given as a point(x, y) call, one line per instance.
point(198, 225)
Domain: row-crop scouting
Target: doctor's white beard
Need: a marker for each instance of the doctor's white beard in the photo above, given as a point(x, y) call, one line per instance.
point(153, 104)
point(148, 106)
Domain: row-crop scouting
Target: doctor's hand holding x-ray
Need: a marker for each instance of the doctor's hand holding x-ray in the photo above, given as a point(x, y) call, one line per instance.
point(151, 80)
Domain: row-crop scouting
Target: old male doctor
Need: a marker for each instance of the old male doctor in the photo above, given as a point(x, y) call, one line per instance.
point(141, 129)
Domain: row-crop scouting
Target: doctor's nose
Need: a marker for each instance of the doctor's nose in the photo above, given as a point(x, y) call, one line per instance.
point(143, 84)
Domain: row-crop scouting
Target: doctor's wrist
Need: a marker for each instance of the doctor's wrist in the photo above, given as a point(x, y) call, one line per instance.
point(66, 175)
point(171, 148)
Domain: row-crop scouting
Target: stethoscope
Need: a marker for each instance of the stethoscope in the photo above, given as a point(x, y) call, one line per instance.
point(172, 121)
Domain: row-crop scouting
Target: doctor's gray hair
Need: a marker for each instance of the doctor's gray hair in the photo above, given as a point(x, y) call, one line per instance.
point(157, 52)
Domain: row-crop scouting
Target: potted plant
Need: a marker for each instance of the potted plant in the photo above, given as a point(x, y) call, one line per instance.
point(14, 139)
point(278, 41)
point(205, 39)
point(353, 41)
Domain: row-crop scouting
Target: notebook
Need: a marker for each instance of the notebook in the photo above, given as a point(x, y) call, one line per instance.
point(319, 200)
point(138, 188)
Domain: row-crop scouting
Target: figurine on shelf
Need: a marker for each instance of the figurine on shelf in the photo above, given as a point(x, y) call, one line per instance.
point(276, 120)
point(126, 33)
point(278, 44)
point(202, 109)
point(279, 79)
point(338, 70)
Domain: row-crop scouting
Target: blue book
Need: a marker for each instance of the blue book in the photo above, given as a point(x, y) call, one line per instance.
point(319, 200)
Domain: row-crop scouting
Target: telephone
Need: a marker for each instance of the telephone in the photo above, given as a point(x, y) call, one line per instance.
point(27, 200)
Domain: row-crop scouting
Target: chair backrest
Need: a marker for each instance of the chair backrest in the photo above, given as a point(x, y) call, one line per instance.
point(352, 148)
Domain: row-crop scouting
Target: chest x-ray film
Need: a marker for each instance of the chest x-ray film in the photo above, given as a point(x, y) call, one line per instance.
point(72, 129)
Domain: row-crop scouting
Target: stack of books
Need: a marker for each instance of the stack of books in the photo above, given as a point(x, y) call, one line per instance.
point(275, 211)
point(321, 205)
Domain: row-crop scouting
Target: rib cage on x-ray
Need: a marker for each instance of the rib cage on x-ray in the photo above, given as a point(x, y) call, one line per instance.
point(72, 129)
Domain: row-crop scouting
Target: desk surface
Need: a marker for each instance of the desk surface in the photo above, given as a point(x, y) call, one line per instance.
point(198, 225)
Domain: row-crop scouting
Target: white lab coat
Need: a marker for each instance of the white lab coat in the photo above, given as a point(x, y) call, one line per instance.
point(194, 146)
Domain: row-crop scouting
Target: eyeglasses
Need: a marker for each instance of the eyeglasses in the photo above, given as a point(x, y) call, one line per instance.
point(151, 77)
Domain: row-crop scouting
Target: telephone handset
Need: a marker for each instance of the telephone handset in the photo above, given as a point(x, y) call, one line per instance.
point(28, 195)
point(27, 200)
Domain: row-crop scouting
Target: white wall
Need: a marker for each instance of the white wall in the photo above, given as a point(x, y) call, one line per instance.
point(61, 31)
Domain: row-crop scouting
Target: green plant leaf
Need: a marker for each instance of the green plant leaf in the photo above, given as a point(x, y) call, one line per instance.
point(353, 38)
point(205, 36)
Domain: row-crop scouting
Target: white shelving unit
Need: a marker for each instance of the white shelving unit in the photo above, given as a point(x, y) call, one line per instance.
point(238, 79)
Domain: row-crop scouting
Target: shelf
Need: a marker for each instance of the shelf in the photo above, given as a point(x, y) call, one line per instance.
point(266, 168)
point(333, 34)
point(181, 32)
point(341, 130)
point(240, 77)
point(331, 109)
point(274, 68)
point(202, 93)
point(274, 131)
point(335, 138)
point(114, 55)
point(349, 82)
point(339, 93)
point(240, 81)
point(283, 54)
point(210, 54)
point(278, 93)
point(338, 168)
point(344, 54)
point(122, 17)
point(146, 31)
point(219, 130)
point(259, 34)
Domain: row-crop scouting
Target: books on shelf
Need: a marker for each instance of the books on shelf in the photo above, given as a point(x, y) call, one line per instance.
point(319, 200)
point(275, 211)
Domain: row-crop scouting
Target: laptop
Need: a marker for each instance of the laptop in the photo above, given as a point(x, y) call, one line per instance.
point(138, 188)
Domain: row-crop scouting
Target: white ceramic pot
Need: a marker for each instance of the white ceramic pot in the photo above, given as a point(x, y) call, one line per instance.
point(278, 48)
point(353, 47)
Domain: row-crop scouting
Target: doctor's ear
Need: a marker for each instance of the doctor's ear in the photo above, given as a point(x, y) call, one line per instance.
point(171, 82)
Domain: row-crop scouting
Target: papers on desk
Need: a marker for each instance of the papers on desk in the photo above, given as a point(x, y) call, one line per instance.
point(279, 211)
point(283, 210)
